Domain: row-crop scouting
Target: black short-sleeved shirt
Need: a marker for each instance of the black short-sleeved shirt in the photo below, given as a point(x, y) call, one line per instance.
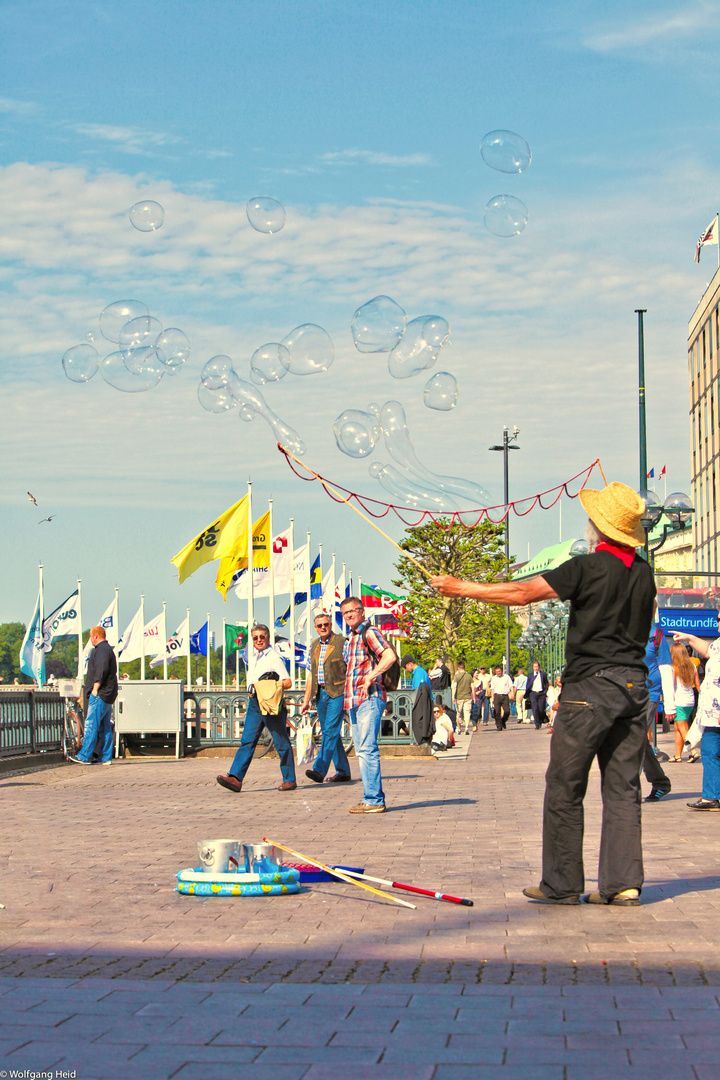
point(102, 668)
point(611, 610)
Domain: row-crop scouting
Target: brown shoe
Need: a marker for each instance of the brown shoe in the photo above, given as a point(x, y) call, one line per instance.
point(367, 808)
point(287, 785)
point(230, 782)
point(339, 778)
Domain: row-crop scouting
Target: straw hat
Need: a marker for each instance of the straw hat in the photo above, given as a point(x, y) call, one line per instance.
point(616, 511)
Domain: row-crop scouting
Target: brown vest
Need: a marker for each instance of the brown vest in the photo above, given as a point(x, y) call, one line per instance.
point(334, 666)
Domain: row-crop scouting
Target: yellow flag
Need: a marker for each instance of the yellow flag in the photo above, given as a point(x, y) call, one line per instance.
point(230, 564)
point(227, 535)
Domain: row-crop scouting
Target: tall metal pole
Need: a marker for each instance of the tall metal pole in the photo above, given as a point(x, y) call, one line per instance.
point(641, 399)
point(506, 495)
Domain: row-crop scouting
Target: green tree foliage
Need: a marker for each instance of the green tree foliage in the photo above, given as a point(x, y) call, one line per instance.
point(454, 627)
point(11, 638)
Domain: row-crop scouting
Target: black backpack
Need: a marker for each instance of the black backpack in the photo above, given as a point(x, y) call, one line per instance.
point(390, 678)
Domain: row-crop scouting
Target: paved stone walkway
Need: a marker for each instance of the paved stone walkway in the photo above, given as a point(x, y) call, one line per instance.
point(106, 970)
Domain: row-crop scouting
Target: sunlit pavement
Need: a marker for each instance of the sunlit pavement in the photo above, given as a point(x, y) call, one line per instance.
point(106, 970)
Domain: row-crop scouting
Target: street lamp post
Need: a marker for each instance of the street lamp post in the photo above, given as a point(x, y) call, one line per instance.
point(509, 443)
point(641, 396)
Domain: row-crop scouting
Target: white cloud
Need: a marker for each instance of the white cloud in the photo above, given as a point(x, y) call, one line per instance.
point(661, 29)
point(20, 108)
point(373, 157)
point(128, 139)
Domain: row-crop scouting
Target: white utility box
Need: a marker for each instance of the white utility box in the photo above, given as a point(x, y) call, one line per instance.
point(149, 706)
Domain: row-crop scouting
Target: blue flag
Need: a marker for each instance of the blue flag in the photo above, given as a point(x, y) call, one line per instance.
point(284, 619)
point(32, 653)
point(199, 641)
point(315, 580)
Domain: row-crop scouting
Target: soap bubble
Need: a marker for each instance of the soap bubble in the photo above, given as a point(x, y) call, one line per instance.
point(269, 363)
point(419, 346)
point(505, 151)
point(356, 433)
point(115, 315)
point(92, 336)
point(378, 325)
point(411, 492)
point(249, 399)
point(80, 363)
point(144, 361)
point(311, 349)
point(217, 372)
point(505, 215)
point(139, 333)
point(441, 392)
point(173, 347)
point(266, 215)
point(217, 400)
point(146, 216)
point(115, 372)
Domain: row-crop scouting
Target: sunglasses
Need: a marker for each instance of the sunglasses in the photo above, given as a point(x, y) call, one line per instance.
point(259, 637)
point(322, 623)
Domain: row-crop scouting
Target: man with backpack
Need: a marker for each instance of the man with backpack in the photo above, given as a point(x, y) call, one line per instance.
point(368, 658)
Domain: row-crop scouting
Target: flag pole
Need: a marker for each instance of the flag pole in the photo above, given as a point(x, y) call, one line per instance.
point(331, 612)
point(80, 644)
point(224, 652)
point(165, 640)
point(250, 567)
point(271, 574)
point(142, 634)
point(291, 542)
point(41, 672)
point(321, 581)
point(188, 673)
point(308, 564)
point(207, 649)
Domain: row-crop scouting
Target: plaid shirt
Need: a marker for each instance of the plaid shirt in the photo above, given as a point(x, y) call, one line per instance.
point(359, 662)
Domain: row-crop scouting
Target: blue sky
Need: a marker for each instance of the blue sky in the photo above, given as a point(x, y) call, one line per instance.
point(364, 120)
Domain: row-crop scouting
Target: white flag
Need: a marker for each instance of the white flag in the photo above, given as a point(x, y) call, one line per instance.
point(62, 623)
point(155, 636)
point(339, 597)
point(261, 574)
point(177, 645)
point(327, 601)
point(130, 647)
point(109, 623)
point(709, 236)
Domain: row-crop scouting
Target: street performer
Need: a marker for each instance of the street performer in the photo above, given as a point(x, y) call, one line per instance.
point(604, 702)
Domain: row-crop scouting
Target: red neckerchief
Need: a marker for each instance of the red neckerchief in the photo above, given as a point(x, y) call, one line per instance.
point(621, 551)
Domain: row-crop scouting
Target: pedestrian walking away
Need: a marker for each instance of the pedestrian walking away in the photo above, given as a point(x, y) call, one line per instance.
point(661, 688)
point(604, 704)
point(326, 687)
point(367, 656)
point(267, 678)
point(462, 696)
point(101, 690)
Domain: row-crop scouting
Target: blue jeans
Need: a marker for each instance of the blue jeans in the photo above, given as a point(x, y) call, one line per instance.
point(330, 713)
point(252, 729)
point(365, 721)
point(98, 730)
point(710, 753)
point(486, 709)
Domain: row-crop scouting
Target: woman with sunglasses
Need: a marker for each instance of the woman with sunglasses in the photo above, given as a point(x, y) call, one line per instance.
point(707, 720)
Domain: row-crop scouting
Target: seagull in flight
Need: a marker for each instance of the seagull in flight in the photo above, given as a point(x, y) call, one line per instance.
point(47, 519)
point(32, 498)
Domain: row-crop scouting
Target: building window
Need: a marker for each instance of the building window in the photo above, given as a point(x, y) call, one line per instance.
point(704, 347)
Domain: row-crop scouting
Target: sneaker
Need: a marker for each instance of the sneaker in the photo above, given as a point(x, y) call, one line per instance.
point(106, 762)
point(657, 794)
point(624, 898)
point(78, 761)
point(534, 893)
point(367, 808)
point(313, 775)
point(704, 804)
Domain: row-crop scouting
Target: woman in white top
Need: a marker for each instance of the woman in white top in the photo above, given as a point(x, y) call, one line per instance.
point(553, 700)
point(707, 720)
point(443, 735)
point(685, 681)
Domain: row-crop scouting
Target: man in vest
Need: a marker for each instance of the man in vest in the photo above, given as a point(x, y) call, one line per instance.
point(462, 696)
point(326, 687)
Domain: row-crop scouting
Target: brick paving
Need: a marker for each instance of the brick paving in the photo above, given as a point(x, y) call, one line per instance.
point(107, 971)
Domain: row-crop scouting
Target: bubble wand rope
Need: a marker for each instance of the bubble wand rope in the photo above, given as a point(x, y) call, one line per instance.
point(338, 874)
point(346, 500)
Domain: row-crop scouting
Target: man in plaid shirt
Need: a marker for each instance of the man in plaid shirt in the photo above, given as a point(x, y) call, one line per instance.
point(365, 699)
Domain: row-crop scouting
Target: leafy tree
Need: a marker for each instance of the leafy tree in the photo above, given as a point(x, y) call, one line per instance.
point(455, 627)
point(11, 638)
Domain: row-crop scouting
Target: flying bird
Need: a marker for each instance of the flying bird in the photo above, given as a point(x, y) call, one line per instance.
point(47, 519)
point(32, 498)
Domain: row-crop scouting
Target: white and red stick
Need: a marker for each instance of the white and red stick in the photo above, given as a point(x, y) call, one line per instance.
point(411, 888)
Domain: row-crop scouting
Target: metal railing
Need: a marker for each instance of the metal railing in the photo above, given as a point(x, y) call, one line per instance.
point(31, 722)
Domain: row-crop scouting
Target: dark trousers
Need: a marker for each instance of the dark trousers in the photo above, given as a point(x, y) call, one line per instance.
point(538, 701)
point(651, 766)
point(252, 730)
point(604, 715)
point(501, 705)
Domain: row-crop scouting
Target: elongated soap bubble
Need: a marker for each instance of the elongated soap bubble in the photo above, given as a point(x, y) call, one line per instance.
point(115, 372)
point(269, 363)
point(217, 372)
point(378, 325)
point(146, 216)
point(412, 492)
point(266, 215)
point(115, 315)
point(356, 432)
point(419, 346)
point(140, 332)
point(218, 400)
point(311, 349)
point(505, 216)
point(250, 399)
point(80, 362)
point(441, 392)
point(172, 347)
point(505, 151)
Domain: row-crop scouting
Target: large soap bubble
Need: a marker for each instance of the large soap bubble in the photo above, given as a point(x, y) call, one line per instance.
point(412, 492)
point(266, 215)
point(419, 346)
point(270, 363)
point(218, 400)
point(146, 216)
point(115, 372)
point(311, 349)
point(80, 362)
point(441, 392)
point(172, 347)
point(217, 372)
point(505, 216)
point(378, 325)
point(250, 399)
point(115, 315)
point(144, 361)
point(139, 333)
point(505, 151)
point(356, 432)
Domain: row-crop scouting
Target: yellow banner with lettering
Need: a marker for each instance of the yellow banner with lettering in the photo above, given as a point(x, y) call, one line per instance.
point(230, 564)
point(226, 536)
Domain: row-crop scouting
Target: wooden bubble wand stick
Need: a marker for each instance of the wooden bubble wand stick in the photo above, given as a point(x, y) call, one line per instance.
point(346, 500)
